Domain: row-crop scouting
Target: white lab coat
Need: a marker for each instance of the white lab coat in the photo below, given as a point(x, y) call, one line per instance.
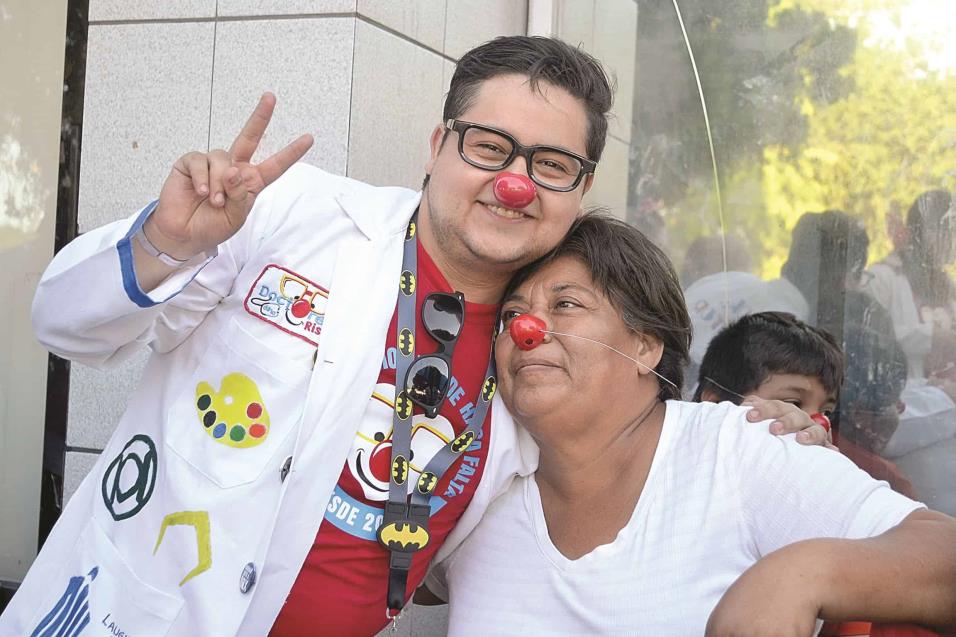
point(174, 565)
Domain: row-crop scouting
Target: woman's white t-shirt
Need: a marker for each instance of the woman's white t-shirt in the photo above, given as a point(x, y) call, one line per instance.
point(721, 493)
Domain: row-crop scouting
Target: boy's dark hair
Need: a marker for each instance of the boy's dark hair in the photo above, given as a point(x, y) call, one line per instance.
point(743, 355)
point(540, 59)
point(637, 278)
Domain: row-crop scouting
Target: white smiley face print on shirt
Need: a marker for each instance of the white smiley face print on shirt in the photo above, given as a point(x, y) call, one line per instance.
point(371, 454)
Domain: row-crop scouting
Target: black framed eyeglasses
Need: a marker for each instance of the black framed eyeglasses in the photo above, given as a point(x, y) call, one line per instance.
point(428, 377)
point(492, 149)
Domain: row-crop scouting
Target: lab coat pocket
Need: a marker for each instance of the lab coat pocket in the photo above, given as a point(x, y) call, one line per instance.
point(97, 595)
point(241, 403)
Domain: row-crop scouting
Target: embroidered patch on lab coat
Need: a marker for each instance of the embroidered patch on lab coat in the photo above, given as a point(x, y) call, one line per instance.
point(289, 301)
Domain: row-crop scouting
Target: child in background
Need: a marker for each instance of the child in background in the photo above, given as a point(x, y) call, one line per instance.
point(776, 356)
point(772, 355)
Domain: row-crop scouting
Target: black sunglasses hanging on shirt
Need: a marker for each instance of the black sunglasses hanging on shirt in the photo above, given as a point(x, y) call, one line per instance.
point(426, 383)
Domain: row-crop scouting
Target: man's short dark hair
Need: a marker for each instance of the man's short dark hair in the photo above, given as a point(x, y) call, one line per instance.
point(639, 281)
point(541, 60)
point(743, 355)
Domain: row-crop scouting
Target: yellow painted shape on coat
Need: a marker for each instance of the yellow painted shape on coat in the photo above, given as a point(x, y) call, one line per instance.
point(232, 425)
point(199, 520)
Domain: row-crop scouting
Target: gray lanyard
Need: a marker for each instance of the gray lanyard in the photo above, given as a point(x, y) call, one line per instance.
point(404, 528)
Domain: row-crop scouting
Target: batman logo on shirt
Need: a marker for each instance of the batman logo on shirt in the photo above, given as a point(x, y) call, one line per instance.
point(461, 442)
point(400, 470)
point(406, 342)
point(407, 537)
point(406, 283)
point(489, 388)
point(427, 482)
point(410, 232)
point(403, 406)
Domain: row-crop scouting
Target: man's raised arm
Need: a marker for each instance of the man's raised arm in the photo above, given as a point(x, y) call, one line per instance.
point(104, 293)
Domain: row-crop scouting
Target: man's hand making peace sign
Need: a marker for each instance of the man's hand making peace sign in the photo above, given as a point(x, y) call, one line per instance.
point(207, 196)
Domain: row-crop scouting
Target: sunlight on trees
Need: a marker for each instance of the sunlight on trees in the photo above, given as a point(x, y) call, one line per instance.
point(814, 105)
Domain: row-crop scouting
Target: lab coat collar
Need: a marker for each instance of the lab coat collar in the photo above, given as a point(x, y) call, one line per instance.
point(364, 206)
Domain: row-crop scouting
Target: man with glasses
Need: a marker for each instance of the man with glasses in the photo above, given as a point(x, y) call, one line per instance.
point(319, 477)
point(322, 439)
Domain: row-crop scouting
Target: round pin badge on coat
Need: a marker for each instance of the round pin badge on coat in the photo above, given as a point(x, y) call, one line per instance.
point(248, 578)
point(286, 467)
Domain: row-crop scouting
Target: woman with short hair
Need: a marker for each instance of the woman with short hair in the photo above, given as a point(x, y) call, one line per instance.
point(651, 516)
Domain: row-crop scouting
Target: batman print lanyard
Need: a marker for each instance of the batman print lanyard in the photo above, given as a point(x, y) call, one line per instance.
point(404, 528)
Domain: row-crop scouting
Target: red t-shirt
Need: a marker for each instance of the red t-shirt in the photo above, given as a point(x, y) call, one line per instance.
point(342, 586)
point(865, 629)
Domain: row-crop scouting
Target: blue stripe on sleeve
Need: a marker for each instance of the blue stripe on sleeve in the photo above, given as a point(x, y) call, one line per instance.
point(125, 249)
point(128, 270)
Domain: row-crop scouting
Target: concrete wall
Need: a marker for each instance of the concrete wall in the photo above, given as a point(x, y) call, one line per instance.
point(608, 30)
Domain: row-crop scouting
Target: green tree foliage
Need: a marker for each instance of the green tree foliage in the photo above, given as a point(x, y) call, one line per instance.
point(812, 107)
point(751, 73)
point(872, 152)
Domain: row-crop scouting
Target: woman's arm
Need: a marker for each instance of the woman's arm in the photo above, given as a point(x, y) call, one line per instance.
point(906, 574)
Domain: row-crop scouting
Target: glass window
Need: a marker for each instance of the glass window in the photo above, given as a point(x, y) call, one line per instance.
point(799, 156)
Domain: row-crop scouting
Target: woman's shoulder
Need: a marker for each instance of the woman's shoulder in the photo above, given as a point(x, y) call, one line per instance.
point(705, 417)
point(724, 426)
